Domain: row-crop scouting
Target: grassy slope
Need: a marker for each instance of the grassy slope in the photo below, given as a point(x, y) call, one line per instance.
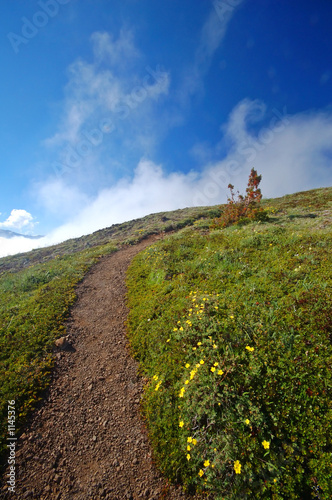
point(232, 329)
point(37, 290)
point(118, 234)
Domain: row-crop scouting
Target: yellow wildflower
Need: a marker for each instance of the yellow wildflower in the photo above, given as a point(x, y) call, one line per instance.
point(206, 463)
point(190, 439)
point(195, 441)
point(237, 467)
point(202, 361)
point(247, 421)
point(213, 369)
point(201, 473)
point(266, 444)
point(188, 456)
point(181, 424)
point(250, 349)
point(187, 365)
point(181, 392)
point(220, 372)
point(188, 447)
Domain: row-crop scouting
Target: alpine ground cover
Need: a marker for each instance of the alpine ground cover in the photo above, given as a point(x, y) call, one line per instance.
point(222, 267)
point(232, 328)
point(37, 290)
point(34, 304)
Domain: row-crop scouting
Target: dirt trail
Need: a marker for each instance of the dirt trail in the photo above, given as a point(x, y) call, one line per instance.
point(87, 441)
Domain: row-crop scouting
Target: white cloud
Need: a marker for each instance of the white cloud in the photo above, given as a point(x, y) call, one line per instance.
point(107, 92)
point(16, 245)
point(116, 52)
point(149, 190)
point(18, 220)
point(58, 198)
point(293, 153)
point(211, 37)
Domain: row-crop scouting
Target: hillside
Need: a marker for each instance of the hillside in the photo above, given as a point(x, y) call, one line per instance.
point(119, 234)
point(263, 293)
point(4, 233)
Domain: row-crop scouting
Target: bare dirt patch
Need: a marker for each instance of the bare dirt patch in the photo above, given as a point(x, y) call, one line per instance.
point(87, 441)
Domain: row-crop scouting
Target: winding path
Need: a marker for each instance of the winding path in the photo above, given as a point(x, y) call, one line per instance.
point(87, 441)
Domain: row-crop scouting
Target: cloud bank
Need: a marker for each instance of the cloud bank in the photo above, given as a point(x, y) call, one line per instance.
point(291, 153)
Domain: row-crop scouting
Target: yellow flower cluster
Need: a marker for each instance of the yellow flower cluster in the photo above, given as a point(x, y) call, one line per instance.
point(182, 391)
point(155, 377)
point(237, 467)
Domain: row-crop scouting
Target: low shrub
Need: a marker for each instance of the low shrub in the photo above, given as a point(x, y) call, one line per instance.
point(245, 208)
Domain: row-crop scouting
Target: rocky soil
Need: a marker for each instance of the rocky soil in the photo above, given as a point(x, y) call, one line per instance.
point(87, 441)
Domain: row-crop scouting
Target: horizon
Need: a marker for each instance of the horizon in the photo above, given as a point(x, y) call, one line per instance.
point(45, 243)
point(114, 112)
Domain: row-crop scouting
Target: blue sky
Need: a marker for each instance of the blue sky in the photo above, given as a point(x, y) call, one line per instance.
point(114, 110)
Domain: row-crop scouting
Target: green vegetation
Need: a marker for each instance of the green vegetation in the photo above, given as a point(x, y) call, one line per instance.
point(34, 306)
point(37, 290)
point(232, 328)
point(127, 233)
